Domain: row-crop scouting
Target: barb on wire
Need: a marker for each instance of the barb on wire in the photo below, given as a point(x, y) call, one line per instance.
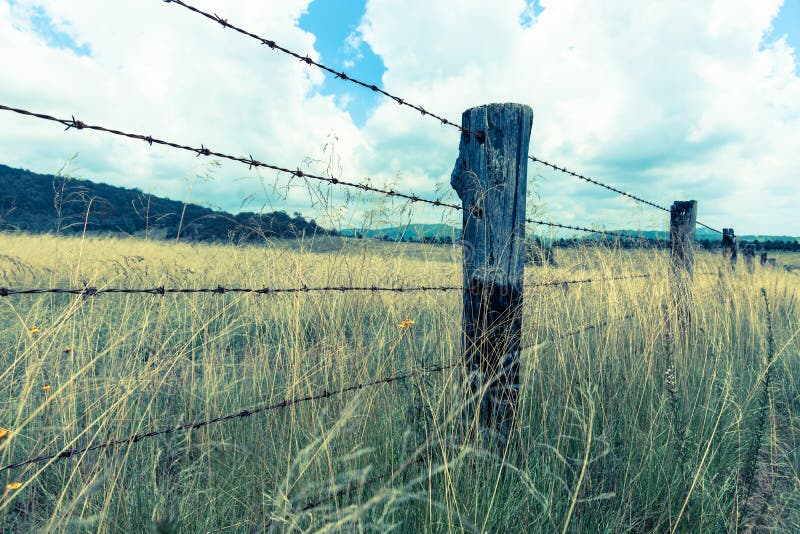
point(250, 162)
point(563, 283)
point(68, 453)
point(589, 230)
point(220, 290)
point(308, 61)
point(610, 188)
point(596, 182)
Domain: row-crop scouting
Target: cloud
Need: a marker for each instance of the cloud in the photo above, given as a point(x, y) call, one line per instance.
point(158, 69)
point(670, 100)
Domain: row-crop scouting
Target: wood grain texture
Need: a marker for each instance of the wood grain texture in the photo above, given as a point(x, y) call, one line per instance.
point(490, 177)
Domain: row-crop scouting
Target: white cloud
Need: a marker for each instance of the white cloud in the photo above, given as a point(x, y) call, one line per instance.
point(158, 69)
point(671, 100)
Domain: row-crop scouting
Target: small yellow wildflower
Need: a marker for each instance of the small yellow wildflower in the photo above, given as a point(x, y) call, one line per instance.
point(405, 324)
point(35, 330)
point(46, 387)
point(13, 486)
point(3, 433)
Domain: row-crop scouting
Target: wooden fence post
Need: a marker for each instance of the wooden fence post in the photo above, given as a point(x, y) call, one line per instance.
point(730, 246)
point(490, 177)
point(682, 223)
point(749, 256)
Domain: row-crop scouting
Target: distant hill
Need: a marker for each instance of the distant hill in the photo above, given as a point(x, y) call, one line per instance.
point(39, 203)
point(435, 232)
point(411, 232)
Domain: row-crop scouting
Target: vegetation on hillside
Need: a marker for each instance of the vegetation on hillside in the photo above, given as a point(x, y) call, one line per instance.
point(38, 203)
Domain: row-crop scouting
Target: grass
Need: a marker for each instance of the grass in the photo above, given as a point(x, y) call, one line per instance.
point(618, 431)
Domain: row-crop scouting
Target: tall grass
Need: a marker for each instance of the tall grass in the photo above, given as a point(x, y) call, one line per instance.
point(617, 431)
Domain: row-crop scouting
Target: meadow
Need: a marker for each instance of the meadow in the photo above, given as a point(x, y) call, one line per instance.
point(623, 426)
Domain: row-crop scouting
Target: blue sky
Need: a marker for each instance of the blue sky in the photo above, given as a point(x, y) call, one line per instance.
point(335, 23)
point(44, 26)
point(788, 23)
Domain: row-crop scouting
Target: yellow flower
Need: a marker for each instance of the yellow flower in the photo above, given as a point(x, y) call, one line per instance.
point(46, 387)
point(35, 330)
point(405, 324)
point(13, 486)
point(3, 433)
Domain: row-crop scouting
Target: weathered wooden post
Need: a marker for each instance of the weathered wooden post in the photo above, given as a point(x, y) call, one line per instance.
point(682, 224)
point(730, 246)
point(490, 177)
point(763, 258)
point(749, 252)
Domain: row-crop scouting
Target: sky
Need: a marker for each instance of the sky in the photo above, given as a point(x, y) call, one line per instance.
point(670, 100)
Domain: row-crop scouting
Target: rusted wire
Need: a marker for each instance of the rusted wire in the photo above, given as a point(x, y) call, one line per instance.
point(74, 123)
point(596, 182)
point(308, 61)
point(68, 453)
point(610, 188)
point(220, 290)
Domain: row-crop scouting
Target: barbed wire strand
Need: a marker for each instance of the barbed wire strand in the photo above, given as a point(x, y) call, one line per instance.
point(68, 453)
point(597, 183)
point(251, 162)
point(610, 188)
point(309, 61)
point(220, 290)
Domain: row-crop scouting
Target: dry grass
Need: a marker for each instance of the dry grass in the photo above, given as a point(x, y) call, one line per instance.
point(604, 443)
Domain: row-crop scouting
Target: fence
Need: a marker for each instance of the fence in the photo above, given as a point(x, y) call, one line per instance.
point(490, 178)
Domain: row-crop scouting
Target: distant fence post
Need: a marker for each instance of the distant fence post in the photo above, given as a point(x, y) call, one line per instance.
point(749, 252)
point(682, 224)
point(490, 177)
point(730, 246)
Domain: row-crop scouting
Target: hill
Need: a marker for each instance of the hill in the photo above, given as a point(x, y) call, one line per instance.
point(444, 232)
point(39, 203)
point(410, 232)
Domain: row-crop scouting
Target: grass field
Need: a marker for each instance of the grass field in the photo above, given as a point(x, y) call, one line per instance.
point(620, 428)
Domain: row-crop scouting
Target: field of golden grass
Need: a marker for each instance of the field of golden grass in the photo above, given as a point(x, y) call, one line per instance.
point(621, 428)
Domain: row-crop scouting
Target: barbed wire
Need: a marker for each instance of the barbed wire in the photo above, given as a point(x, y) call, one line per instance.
point(597, 183)
point(251, 162)
point(309, 61)
point(68, 453)
point(204, 151)
point(220, 290)
point(611, 188)
point(557, 283)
